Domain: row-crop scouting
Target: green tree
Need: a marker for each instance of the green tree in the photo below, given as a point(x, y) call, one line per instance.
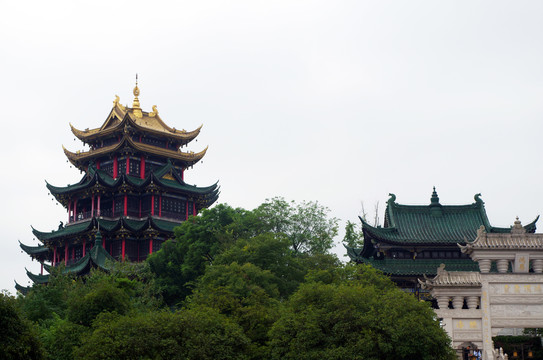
point(197, 241)
point(45, 302)
point(197, 333)
point(355, 319)
point(244, 293)
point(305, 225)
point(18, 338)
point(269, 252)
point(354, 237)
point(87, 302)
point(61, 338)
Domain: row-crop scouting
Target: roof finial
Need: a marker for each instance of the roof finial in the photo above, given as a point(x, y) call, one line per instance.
point(136, 104)
point(435, 199)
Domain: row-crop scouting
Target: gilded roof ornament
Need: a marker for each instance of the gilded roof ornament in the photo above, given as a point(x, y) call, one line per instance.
point(136, 103)
point(154, 112)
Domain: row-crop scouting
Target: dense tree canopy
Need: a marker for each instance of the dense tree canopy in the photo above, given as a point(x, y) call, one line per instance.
point(362, 317)
point(18, 339)
point(234, 284)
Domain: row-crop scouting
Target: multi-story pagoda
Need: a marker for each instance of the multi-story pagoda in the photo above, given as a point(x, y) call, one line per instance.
point(132, 195)
point(416, 239)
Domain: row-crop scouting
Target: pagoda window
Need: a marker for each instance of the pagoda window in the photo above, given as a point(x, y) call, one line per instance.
point(146, 205)
point(116, 248)
point(106, 207)
point(157, 243)
point(118, 206)
point(107, 166)
point(134, 167)
point(156, 205)
point(121, 166)
point(133, 206)
point(143, 248)
point(131, 250)
point(78, 252)
point(173, 208)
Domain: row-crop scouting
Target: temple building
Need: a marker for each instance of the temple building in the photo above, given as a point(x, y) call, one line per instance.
point(416, 239)
point(131, 197)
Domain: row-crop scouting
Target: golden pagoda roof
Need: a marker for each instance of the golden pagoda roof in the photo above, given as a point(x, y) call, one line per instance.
point(80, 159)
point(146, 121)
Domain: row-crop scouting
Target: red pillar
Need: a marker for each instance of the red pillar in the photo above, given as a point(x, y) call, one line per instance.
point(123, 247)
point(150, 246)
point(98, 164)
point(70, 211)
point(98, 212)
point(84, 248)
point(41, 271)
point(127, 165)
point(160, 205)
point(115, 167)
point(54, 255)
point(125, 204)
point(92, 206)
point(75, 209)
point(183, 174)
point(142, 167)
point(152, 205)
point(66, 254)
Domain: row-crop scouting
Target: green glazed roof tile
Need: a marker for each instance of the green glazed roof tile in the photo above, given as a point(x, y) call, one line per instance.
point(34, 250)
point(433, 224)
point(409, 267)
point(67, 230)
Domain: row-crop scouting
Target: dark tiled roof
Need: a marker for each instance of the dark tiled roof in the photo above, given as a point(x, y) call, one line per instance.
point(420, 267)
point(433, 224)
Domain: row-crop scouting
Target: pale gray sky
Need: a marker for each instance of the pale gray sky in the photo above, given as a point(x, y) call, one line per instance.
point(335, 101)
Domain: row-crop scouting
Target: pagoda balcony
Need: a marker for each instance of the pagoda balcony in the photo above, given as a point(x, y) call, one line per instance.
point(81, 216)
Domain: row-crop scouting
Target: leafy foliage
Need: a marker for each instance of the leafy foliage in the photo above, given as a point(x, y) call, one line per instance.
point(353, 237)
point(198, 333)
point(18, 338)
point(357, 320)
point(305, 225)
point(246, 285)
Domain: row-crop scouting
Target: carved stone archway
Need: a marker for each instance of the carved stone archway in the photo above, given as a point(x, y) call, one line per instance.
point(485, 302)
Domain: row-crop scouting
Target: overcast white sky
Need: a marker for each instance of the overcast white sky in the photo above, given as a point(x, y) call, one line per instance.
point(335, 101)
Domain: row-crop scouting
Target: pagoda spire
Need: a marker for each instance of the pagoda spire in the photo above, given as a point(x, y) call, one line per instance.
point(136, 103)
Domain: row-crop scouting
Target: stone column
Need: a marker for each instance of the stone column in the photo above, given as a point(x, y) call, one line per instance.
point(502, 265)
point(458, 301)
point(472, 302)
point(484, 265)
point(537, 265)
point(443, 302)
